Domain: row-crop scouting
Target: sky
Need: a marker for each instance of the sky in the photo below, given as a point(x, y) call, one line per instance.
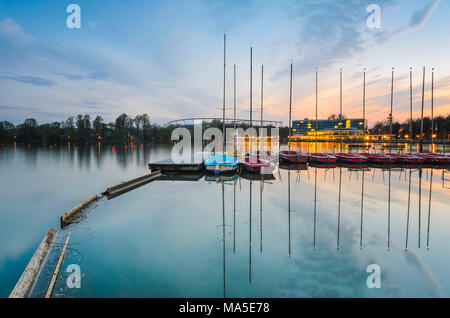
point(165, 58)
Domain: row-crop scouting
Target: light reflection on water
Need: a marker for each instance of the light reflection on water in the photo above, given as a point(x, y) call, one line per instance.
point(306, 233)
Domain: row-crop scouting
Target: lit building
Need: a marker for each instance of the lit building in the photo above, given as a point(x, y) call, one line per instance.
point(332, 129)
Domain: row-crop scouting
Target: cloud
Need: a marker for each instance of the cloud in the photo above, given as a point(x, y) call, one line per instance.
point(10, 30)
point(328, 32)
point(417, 20)
point(33, 80)
point(80, 77)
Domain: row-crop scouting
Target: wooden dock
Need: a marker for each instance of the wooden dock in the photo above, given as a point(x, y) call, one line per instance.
point(169, 166)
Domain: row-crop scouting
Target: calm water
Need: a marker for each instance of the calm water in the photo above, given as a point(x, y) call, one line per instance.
point(233, 238)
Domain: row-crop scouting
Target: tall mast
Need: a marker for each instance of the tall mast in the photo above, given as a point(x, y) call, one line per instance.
point(234, 96)
point(410, 104)
point(432, 103)
point(364, 101)
point(262, 94)
point(316, 107)
point(340, 92)
point(421, 116)
point(251, 83)
point(392, 104)
point(290, 111)
point(223, 109)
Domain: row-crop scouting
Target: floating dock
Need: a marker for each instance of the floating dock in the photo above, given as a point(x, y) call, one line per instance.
point(169, 166)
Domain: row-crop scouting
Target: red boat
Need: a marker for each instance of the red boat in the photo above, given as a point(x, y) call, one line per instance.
point(256, 165)
point(379, 157)
point(406, 158)
point(293, 156)
point(321, 157)
point(434, 158)
point(350, 158)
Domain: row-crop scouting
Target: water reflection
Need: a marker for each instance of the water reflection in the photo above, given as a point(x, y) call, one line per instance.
point(167, 225)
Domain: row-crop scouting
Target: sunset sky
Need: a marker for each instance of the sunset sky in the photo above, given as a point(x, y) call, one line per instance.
point(165, 58)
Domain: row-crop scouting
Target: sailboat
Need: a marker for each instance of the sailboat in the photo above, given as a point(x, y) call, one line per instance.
point(253, 162)
point(317, 156)
point(290, 156)
point(222, 163)
point(349, 157)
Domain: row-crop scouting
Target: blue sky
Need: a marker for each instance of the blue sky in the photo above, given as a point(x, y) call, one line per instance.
point(165, 58)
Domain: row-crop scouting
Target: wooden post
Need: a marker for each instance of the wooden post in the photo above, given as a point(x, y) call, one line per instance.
point(56, 271)
point(31, 272)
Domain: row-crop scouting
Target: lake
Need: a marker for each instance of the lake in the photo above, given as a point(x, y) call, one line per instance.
point(308, 232)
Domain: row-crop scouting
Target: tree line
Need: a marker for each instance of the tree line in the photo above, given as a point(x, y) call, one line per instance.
point(125, 128)
point(402, 130)
point(82, 128)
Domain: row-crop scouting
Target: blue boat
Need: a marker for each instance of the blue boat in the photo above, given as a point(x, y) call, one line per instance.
point(221, 163)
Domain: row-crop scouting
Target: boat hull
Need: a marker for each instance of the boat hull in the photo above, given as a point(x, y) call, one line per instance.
point(322, 158)
point(293, 157)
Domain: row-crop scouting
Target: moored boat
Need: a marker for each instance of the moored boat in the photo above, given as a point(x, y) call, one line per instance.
point(434, 158)
point(321, 157)
point(407, 158)
point(257, 165)
point(350, 158)
point(221, 163)
point(379, 157)
point(293, 156)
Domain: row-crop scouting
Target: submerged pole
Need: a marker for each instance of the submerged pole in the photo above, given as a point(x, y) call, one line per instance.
point(421, 116)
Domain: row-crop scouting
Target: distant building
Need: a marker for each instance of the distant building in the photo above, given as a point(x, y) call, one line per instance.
point(306, 125)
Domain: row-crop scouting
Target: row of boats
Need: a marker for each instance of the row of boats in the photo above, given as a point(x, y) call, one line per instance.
point(262, 162)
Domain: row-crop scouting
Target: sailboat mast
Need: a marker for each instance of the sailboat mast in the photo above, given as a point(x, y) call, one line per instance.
point(223, 109)
point(410, 104)
point(432, 103)
point(340, 92)
point(392, 104)
point(316, 107)
point(251, 83)
point(364, 100)
point(234, 96)
point(421, 116)
point(290, 111)
point(262, 94)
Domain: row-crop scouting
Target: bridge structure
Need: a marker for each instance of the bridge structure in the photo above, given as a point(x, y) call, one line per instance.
point(207, 121)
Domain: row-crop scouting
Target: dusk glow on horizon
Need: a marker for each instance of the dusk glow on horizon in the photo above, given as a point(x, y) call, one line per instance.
point(165, 58)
